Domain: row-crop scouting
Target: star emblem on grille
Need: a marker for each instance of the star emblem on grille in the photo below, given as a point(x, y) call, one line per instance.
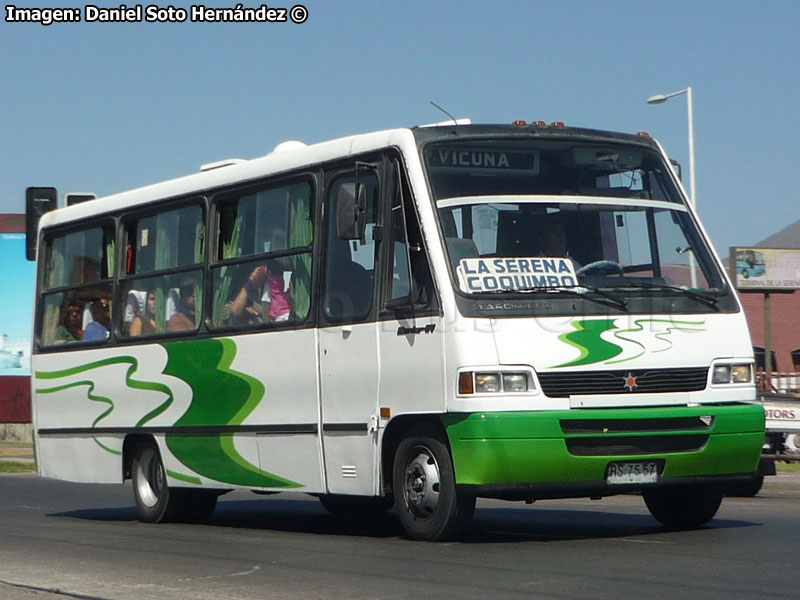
point(630, 382)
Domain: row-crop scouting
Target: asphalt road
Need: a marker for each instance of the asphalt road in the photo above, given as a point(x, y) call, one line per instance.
point(61, 540)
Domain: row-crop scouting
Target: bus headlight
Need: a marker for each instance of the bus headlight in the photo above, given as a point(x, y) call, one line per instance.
point(494, 382)
point(732, 373)
point(515, 382)
point(487, 383)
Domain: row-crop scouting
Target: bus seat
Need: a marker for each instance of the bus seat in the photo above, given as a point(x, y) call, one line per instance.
point(87, 315)
point(349, 288)
point(459, 248)
point(173, 302)
point(349, 294)
point(135, 304)
point(517, 234)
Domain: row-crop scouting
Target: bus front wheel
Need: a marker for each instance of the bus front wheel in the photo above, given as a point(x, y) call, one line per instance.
point(424, 488)
point(684, 508)
point(156, 502)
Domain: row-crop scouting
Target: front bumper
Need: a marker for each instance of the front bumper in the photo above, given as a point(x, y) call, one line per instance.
point(559, 454)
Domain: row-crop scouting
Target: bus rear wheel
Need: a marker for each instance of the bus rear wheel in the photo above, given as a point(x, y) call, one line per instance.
point(423, 481)
point(684, 508)
point(156, 502)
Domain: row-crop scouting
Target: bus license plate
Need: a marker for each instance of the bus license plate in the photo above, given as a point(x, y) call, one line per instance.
point(631, 472)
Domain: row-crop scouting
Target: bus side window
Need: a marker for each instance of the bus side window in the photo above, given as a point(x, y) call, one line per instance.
point(410, 276)
point(272, 228)
point(162, 284)
point(79, 271)
point(350, 264)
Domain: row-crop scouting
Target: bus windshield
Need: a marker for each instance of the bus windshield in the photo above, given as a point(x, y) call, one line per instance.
point(529, 217)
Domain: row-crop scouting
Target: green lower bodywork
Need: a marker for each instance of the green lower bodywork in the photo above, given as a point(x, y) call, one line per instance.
point(530, 448)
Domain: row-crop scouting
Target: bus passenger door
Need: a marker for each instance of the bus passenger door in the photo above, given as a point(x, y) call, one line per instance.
point(348, 352)
point(411, 335)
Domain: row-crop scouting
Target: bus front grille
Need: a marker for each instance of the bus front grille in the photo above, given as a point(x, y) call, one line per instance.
point(624, 381)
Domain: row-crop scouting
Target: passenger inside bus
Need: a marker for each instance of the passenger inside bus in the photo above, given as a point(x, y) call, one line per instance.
point(276, 301)
point(553, 239)
point(70, 329)
point(245, 307)
point(184, 317)
point(144, 323)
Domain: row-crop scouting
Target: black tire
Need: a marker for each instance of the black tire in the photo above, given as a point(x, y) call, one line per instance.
point(745, 489)
point(156, 501)
point(684, 508)
point(428, 504)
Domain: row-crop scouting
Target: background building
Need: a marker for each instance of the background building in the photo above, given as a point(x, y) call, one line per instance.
point(784, 310)
point(16, 320)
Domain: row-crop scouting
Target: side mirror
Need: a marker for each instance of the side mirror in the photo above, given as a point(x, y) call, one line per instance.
point(351, 211)
point(38, 201)
point(676, 166)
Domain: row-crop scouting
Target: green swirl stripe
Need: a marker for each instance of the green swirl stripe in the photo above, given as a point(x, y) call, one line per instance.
point(586, 338)
point(594, 349)
point(185, 478)
point(682, 326)
point(132, 383)
point(220, 396)
point(94, 398)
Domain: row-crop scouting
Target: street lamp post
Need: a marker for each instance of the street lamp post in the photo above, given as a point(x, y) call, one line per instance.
point(660, 99)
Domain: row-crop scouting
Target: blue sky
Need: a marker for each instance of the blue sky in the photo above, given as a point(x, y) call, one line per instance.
point(107, 107)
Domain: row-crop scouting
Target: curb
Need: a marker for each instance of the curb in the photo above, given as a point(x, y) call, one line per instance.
point(16, 452)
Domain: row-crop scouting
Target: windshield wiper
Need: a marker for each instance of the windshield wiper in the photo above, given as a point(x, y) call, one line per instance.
point(606, 298)
point(609, 298)
point(706, 298)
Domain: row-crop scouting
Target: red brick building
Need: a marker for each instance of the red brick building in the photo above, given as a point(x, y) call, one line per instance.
point(784, 310)
point(785, 326)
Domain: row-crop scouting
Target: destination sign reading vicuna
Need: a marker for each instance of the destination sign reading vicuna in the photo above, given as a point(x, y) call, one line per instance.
point(482, 158)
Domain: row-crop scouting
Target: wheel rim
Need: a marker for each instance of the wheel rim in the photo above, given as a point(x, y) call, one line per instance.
point(150, 481)
point(422, 484)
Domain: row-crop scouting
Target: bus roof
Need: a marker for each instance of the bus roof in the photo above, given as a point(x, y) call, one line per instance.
point(554, 131)
point(276, 162)
point(290, 156)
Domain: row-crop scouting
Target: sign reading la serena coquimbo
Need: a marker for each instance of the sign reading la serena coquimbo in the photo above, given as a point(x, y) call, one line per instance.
point(509, 274)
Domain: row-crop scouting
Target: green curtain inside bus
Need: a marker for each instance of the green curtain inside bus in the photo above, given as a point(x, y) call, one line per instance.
point(300, 234)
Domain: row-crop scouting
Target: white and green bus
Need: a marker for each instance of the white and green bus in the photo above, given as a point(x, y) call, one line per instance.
point(417, 317)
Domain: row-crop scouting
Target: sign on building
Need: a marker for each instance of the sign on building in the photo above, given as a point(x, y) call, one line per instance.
point(766, 269)
point(16, 303)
